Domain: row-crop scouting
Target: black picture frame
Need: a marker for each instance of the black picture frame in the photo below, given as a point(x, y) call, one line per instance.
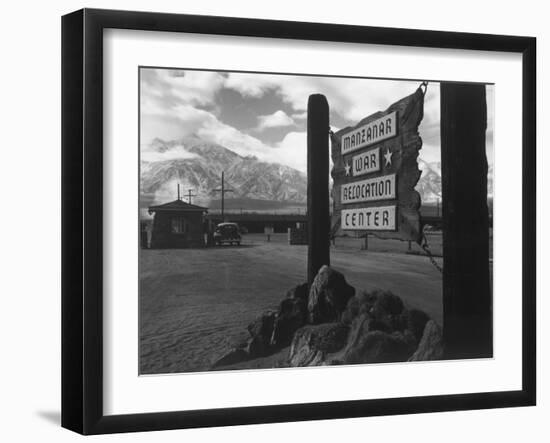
point(82, 231)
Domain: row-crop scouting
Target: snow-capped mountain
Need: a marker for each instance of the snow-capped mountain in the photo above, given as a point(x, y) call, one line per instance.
point(198, 165)
point(429, 184)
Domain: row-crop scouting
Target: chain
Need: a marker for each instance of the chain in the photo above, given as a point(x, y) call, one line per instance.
point(425, 84)
point(427, 250)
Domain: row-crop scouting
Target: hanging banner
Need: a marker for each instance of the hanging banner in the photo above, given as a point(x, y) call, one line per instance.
point(376, 170)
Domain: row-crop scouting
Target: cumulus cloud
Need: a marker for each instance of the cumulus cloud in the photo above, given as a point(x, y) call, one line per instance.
point(192, 87)
point(169, 111)
point(178, 152)
point(299, 115)
point(176, 104)
point(292, 151)
point(243, 144)
point(252, 85)
point(275, 120)
point(351, 98)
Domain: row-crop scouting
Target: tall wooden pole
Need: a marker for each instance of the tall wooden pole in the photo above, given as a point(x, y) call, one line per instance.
point(223, 196)
point(467, 292)
point(190, 195)
point(317, 185)
point(223, 191)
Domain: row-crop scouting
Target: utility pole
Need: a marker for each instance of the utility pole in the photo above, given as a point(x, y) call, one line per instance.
point(179, 198)
point(190, 194)
point(223, 191)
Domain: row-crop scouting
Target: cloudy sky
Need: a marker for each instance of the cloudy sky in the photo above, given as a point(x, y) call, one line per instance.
point(265, 115)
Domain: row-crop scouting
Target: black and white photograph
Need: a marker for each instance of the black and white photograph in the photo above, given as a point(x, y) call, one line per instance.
point(294, 221)
point(244, 222)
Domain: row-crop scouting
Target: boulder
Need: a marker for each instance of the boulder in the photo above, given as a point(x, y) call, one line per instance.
point(328, 296)
point(383, 306)
point(386, 304)
point(291, 315)
point(431, 345)
point(414, 320)
point(358, 304)
point(298, 292)
point(261, 331)
point(313, 342)
point(369, 345)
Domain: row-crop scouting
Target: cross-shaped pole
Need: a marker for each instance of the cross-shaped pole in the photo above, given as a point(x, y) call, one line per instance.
point(190, 194)
point(223, 191)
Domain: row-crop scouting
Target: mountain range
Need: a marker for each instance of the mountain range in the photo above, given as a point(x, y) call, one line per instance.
point(197, 165)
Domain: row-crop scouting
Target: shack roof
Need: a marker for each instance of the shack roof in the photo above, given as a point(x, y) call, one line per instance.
point(177, 206)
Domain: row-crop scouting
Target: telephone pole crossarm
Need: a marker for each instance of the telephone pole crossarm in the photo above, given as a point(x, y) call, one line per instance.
point(223, 191)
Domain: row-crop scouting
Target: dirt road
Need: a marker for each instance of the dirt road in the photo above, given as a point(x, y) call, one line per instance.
point(195, 304)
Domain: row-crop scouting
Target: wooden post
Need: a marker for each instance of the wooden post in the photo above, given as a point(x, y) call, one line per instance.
point(317, 185)
point(190, 195)
point(223, 191)
point(223, 197)
point(467, 297)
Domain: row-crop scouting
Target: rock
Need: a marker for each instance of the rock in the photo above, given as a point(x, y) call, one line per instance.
point(232, 357)
point(414, 320)
point(359, 328)
point(368, 345)
point(298, 292)
point(263, 325)
point(291, 316)
point(386, 304)
point(383, 306)
point(431, 345)
point(313, 342)
point(357, 305)
point(305, 356)
point(261, 331)
point(328, 296)
point(379, 325)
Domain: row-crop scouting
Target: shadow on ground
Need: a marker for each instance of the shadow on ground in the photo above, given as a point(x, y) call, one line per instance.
point(54, 417)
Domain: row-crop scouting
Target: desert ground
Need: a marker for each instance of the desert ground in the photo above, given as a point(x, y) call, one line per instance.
point(195, 304)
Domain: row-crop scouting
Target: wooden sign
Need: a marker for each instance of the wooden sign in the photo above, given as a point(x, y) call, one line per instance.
point(375, 172)
point(369, 133)
point(364, 163)
point(371, 189)
point(374, 219)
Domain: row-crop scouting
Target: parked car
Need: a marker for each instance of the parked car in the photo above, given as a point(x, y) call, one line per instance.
point(227, 233)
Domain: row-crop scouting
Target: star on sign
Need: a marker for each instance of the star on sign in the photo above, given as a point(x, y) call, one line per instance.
point(387, 156)
point(347, 168)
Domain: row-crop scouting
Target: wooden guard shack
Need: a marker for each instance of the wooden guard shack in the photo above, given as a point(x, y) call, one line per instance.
point(177, 225)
